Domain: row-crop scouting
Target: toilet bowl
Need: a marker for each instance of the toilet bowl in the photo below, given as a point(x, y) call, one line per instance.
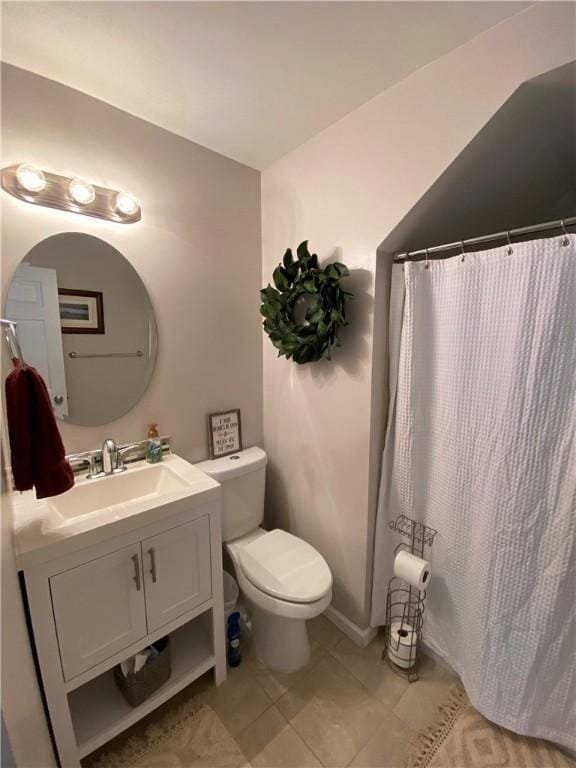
point(283, 579)
point(286, 582)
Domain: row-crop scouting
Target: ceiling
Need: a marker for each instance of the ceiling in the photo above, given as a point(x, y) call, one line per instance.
point(251, 80)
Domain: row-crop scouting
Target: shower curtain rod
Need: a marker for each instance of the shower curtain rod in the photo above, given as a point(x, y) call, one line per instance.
point(461, 244)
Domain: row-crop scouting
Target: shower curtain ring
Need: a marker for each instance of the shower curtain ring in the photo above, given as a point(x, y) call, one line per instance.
point(510, 250)
point(462, 250)
point(565, 240)
point(426, 263)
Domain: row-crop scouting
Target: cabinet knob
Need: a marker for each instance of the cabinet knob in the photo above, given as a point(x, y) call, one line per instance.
point(58, 399)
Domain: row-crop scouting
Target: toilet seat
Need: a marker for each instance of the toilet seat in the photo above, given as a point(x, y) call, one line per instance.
point(274, 605)
point(284, 608)
point(285, 567)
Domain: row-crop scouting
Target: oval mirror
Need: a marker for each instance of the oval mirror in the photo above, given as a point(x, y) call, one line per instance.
point(86, 323)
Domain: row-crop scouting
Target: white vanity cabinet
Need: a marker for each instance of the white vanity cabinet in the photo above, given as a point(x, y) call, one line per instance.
point(93, 606)
point(176, 571)
point(108, 603)
point(98, 609)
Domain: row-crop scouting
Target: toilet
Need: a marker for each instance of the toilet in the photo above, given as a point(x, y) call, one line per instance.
point(284, 580)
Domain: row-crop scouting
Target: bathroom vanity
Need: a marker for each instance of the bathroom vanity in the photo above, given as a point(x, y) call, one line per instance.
point(109, 568)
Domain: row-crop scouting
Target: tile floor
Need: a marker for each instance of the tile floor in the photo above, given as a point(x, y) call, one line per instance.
point(345, 708)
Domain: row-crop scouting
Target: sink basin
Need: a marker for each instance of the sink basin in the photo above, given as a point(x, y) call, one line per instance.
point(131, 487)
point(94, 510)
point(142, 487)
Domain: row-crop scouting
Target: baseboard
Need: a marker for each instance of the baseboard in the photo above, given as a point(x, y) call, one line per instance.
point(427, 651)
point(360, 637)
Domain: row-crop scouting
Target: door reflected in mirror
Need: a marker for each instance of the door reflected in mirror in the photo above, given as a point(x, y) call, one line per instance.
point(86, 323)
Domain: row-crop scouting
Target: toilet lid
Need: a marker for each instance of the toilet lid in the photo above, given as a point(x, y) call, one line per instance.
point(286, 567)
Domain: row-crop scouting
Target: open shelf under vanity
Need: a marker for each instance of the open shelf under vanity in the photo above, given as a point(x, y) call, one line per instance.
point(100, 712)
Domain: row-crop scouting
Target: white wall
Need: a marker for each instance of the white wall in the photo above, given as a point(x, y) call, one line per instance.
point(345, 190)
point(197, 250)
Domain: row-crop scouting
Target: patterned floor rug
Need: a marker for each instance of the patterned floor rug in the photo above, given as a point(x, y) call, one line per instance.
point(190, 736)
point(462, 738)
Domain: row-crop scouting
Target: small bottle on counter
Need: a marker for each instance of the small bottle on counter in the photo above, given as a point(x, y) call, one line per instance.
point(154, 447)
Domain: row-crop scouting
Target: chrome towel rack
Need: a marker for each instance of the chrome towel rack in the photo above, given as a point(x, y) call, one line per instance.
point(11, 337)
point(75, 355)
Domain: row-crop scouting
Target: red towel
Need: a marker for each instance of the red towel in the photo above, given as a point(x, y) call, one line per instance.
point(38, 456)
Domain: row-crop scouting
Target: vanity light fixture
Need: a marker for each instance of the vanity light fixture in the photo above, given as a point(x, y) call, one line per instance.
point(126, 204)
point(75, 195)
point(30, 178)
point(82, 192)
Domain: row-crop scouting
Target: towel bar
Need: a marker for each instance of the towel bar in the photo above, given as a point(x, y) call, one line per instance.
point(138, 353)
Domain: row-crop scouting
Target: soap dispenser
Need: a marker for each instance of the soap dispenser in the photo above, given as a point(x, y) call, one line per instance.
point(154, 446)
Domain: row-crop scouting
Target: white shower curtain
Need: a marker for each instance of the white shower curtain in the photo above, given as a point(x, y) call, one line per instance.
point(481, 445)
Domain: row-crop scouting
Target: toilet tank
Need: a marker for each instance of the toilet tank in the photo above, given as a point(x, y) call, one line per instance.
point(242, 477)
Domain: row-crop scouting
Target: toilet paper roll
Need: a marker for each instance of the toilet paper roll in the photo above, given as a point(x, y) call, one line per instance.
point(402, 644)
point(412, 569)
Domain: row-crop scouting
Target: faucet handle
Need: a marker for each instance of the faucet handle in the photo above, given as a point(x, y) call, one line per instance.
point(93, 471)
point(121, 452)
point(91, 459)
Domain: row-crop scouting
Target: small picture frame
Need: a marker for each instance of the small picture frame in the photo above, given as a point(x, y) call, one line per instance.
point(81, 311)
point(224, 433)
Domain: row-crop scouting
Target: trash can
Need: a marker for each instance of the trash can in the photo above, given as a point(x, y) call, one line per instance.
point(231, 593)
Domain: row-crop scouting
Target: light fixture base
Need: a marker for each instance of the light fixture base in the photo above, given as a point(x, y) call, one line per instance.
point(56, 194)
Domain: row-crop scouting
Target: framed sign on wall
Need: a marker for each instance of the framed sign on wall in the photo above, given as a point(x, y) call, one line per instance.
point(224, 433)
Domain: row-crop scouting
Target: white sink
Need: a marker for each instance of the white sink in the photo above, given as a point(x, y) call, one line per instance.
point(135, 485)
point(142, 495)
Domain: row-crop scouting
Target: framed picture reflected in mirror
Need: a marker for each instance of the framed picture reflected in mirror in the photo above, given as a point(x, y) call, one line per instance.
point(81, 311)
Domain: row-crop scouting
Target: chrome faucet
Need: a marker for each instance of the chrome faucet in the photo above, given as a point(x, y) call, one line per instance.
point(113, 456)
point(109, 456)
point(110, 460)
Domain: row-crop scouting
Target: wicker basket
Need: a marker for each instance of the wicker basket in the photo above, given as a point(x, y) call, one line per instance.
point(136, 687)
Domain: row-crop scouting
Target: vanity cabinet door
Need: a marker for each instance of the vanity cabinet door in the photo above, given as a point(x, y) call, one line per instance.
point(177, 573)
point(99, 609)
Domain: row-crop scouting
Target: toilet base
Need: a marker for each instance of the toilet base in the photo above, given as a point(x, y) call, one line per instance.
point(281, 644)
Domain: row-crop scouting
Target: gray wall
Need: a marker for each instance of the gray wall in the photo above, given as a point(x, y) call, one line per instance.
point(197, 250)
point(6, 758)
point(22, 710)
point(519, 170)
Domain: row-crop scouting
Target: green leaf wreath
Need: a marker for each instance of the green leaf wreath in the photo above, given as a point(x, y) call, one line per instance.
point(295, 279)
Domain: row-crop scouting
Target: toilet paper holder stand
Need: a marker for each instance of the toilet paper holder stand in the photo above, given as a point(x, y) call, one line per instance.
point(405, 604)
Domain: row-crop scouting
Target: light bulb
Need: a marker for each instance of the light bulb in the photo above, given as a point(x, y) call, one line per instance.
point(31, 178)
point(82, 192)
point(126, 204)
